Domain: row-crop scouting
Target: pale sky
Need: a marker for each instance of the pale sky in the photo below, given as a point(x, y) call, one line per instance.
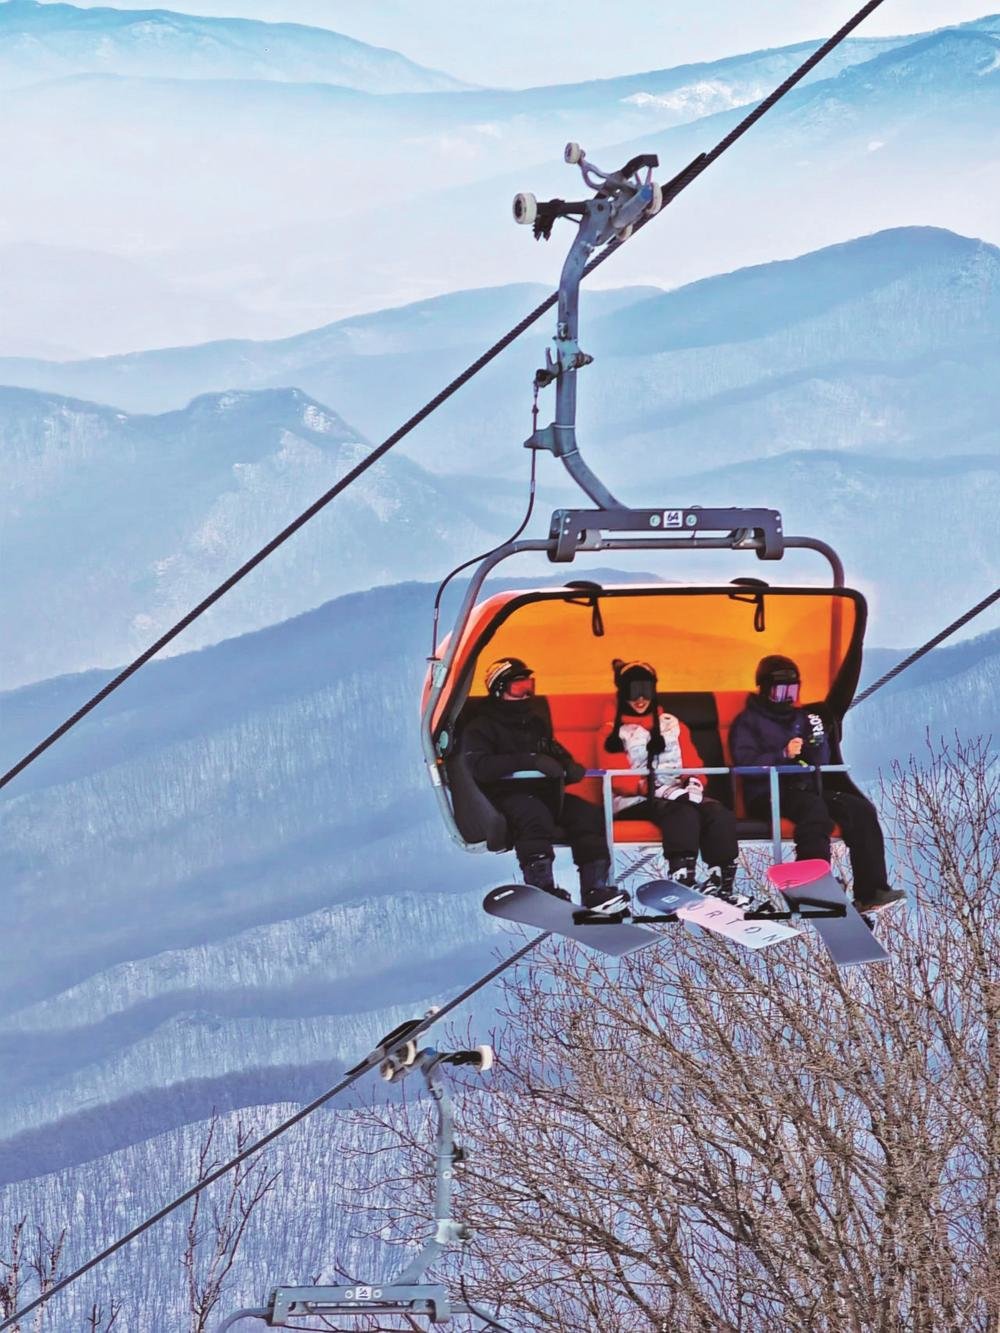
point(519, 43)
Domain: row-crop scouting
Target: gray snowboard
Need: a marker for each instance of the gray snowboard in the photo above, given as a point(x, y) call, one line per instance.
point(848, 940)
point(531, 907)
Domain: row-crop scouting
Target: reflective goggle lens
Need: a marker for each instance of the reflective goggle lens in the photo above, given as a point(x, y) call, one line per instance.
point(521, 686)
point(640, 689)
point(786, 693)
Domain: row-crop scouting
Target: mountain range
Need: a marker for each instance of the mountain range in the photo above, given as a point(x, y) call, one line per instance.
point(280, 218)
point(114, 522)
point(854, 389)
point(46, 41)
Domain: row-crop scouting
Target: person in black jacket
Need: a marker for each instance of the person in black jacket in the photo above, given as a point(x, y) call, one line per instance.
point(774, 731)
point(512, 735)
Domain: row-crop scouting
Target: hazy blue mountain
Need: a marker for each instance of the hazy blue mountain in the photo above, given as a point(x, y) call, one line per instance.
point(63, 298)
point(248, 873)
point(953, 689)
point(41, 41)
point(914, 536)
point(887, 343)
point(115, 525)
point(386, 362)
point(894, 141)
point(288, 202)
point(855, 389)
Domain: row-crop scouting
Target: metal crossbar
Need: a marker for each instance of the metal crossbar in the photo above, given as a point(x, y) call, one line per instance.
point(607, 776)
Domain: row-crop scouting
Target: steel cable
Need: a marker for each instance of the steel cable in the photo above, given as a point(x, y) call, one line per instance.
point(926, 648)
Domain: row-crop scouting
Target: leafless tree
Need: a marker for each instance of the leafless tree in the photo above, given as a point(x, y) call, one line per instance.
point(99, 1322)
point(28, 1272)
point(217, 1224)
point(702, 1138)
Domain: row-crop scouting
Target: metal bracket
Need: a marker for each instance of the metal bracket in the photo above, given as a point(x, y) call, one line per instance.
point(358, 1299)
point(574, 530)
point(819, 912)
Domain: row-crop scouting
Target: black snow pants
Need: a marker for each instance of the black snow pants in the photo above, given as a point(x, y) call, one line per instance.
point(687, 827)
point(533, 825)
point(814, 815)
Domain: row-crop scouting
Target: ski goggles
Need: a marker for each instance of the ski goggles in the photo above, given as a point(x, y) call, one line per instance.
point(521, 687)
point(784, 692)
point(640, 689)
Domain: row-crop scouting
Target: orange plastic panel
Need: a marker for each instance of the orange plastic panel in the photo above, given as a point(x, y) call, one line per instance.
point(697, 639)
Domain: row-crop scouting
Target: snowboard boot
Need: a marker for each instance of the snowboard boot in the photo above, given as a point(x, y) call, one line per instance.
point(721, 883)
point(596, 894)
point(877, 900)
point(538, 873)
point(684, 869)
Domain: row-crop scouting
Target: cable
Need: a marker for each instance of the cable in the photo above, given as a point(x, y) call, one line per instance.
point(476, 559)
point(926, 648)
point(670, 192)
point(352, 1075)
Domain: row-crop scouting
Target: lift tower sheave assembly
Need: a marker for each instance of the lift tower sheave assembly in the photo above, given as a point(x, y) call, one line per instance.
point(406, 1294)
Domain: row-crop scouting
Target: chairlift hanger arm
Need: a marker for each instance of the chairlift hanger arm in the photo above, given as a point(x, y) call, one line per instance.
point(622, 199)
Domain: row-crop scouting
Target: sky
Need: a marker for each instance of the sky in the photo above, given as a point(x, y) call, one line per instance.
point(521, 43)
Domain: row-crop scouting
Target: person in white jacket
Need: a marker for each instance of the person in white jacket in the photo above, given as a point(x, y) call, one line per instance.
point(689, 821)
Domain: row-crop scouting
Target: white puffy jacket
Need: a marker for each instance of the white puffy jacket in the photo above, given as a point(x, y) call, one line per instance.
point(635, 738)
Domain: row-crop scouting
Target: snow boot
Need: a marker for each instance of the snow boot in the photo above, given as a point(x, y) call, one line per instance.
point(721, 883)
point(538, 873)
point(684, 869)
point(878, 900)
point(596, 894)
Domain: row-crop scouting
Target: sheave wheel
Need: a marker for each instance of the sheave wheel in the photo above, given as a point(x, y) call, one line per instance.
point(525, 209)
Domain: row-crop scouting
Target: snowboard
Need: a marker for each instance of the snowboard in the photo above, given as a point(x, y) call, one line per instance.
point(529, 906)
point(666, 895)
point(847, 939)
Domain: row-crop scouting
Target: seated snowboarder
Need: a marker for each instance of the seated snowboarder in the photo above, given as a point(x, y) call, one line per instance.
point(512, 734)
point(773, 730)
point(688, 820)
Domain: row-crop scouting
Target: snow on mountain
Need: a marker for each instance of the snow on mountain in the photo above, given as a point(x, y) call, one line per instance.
point(44, 41)
point(249, 877)
point(954, 689)
point(116, 524)
point(301, 1232)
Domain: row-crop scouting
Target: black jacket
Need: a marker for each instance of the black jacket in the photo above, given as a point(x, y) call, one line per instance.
point(509, 735)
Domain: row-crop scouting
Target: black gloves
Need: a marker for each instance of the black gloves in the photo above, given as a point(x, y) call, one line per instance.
point(549, 765)
point(549, 749)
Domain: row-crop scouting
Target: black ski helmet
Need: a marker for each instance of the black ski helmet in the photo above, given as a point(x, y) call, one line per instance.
point(499, 674)
point(776, 670)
